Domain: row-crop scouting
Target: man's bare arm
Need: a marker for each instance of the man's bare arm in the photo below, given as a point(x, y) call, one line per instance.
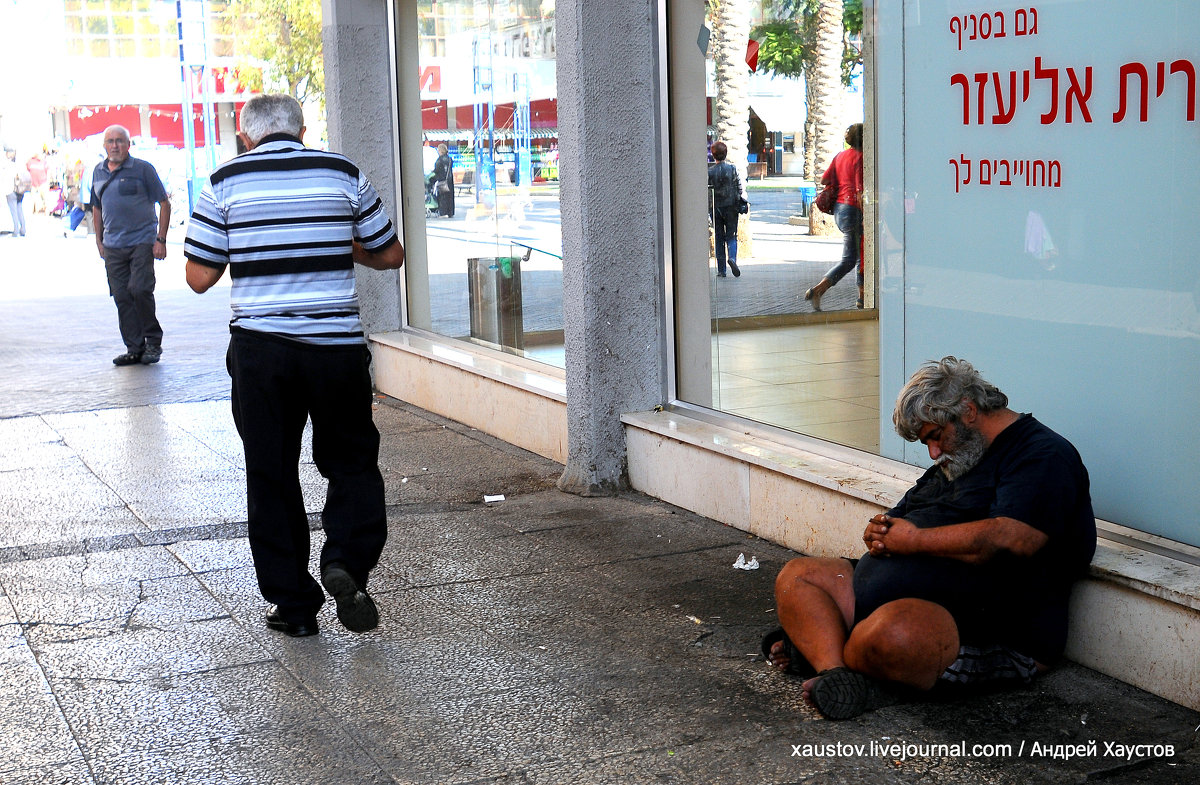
point(389, 258)
point(98, 226)
point(974, 542)
point(201, 277)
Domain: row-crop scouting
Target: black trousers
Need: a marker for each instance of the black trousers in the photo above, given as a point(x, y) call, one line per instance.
point(131, 284)
point(277, 386)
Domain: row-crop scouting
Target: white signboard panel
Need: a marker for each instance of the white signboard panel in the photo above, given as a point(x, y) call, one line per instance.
point(1051, 167)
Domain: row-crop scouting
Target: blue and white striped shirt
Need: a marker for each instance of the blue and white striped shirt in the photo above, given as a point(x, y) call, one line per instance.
point(282, 218)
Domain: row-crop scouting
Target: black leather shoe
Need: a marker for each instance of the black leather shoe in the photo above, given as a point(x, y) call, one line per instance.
point(355, 608)
point(129, 358)
point(296, 629)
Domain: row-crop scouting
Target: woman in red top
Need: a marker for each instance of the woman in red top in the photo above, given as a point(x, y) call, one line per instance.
point(847, 171)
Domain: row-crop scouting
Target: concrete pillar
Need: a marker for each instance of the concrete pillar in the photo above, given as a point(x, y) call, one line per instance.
point(360, 121)
point(612, 265)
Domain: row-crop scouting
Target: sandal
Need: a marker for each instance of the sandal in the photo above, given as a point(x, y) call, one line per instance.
point(841, 694)
point(797, 664)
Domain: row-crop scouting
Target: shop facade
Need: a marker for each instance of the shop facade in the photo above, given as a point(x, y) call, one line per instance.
point(1000, 145)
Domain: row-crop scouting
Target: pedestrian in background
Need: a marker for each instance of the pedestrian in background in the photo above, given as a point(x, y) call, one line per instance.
point(727, 197)
point(846, 172)
point(14, 179)
point(290, 222)
point(129, 237)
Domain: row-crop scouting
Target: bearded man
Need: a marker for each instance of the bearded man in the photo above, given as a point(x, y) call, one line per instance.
point(966, 581)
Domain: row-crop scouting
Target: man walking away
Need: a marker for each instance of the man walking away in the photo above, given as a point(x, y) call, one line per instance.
point(290, 222)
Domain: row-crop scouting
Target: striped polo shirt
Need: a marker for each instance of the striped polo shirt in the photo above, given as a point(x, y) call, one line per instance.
point(282, 218)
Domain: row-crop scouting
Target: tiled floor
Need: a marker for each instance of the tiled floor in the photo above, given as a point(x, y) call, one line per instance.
point(820, 379)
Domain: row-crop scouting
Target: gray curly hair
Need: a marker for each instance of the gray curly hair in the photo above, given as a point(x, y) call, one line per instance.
point(939, 392)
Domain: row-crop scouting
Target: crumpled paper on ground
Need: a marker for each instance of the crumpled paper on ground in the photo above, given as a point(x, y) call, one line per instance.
point(742, 564)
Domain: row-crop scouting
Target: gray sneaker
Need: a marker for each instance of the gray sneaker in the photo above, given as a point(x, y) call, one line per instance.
point(151, 354)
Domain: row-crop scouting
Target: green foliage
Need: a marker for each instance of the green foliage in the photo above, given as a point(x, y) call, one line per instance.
point(785, 44)
point(781, 48)
point(283, 37)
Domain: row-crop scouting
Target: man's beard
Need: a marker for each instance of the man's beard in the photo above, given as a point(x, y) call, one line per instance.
point(967, 450)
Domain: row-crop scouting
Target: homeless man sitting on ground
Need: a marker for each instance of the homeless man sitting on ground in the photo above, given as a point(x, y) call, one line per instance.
point(966, 580)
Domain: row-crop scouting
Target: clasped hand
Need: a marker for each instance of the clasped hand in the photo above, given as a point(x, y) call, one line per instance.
point(885, 535)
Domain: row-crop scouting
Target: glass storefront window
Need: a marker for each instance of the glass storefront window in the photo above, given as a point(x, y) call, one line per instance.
point(809, 365)
point(488, 103)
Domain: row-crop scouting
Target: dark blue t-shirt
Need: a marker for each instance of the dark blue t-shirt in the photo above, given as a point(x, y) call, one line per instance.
point(127, 197)
point(1028, 473)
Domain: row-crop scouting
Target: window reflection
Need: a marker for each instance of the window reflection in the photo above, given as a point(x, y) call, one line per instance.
point(775, 358)
point(490, 158)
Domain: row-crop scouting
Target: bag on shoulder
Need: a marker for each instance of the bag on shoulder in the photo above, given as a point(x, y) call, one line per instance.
point(827, 199)
point(22, 182)
point(725, 190)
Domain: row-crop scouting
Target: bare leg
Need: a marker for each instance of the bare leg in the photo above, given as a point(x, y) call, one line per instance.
point(814, 599)
point(906, 641)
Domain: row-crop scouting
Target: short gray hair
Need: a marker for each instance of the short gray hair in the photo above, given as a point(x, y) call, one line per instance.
point(938, 393)
point(271, 113)
point(124, 131)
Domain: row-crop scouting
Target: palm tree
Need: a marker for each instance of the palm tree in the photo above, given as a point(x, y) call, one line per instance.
point(731, 108)
point(825, 87)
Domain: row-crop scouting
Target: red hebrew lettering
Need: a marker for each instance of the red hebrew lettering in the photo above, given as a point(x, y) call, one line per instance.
point(1081, 96)
point(1007, 179)
point(1002, 116)
point(974, 26)
point(1000, 19)
point(1039, 166)
point(1019, 168)
point(1055, 174)
point(961, 79)
point(1186, 68)
point(1052, 75)
point(981, 80)
point(985, 31)
point(1162, 79)
point(956, 175)
point(1023, 24)
point(956, 29)
point(985, 172)
point(1127, 70)
point(967, 163)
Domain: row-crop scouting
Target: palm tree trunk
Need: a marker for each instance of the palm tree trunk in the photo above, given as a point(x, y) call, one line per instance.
point(731, 109)
point(825, 111)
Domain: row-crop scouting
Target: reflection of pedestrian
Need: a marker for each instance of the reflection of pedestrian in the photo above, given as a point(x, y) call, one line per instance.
point(443, 181)
point(14, 194)
point(297, 351)
point(726, 185)
point(846, 171)
point(130, 237)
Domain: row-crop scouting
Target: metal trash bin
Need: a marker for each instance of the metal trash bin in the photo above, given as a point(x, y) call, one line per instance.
point(494, 287)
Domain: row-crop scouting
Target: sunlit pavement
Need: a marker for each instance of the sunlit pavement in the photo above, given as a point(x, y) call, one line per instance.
point(545, 638)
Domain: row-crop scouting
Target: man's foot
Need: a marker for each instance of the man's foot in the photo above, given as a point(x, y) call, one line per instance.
point(814, 295)
point(737, 273)
point(151, 354)
point(841, 694)
point(780, 652)
point(355, 608)
point(300, 629)
point(129, 358)
point(720, 275)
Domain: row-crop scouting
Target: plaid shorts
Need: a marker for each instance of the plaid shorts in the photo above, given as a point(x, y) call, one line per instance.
point(979, 666)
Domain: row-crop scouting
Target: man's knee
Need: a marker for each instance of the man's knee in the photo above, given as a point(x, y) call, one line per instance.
point(814, 570)
point(902, 633)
